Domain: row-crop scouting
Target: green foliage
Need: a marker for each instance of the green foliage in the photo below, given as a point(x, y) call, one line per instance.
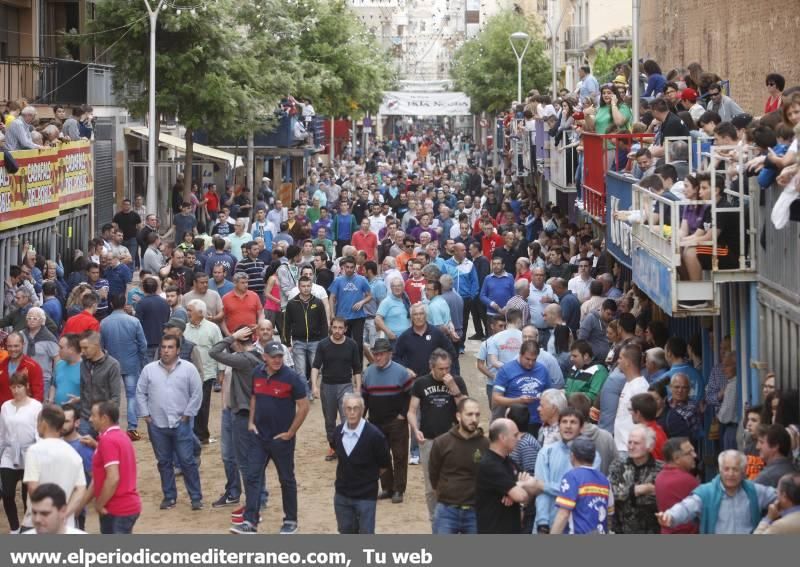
point(485, 67)
point(606, 59)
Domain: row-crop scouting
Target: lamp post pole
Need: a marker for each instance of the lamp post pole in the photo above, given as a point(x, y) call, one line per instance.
point(151, 202)
point(553, 26)
point(519, 36)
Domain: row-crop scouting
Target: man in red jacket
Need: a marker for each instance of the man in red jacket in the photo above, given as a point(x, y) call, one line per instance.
point(19, 362)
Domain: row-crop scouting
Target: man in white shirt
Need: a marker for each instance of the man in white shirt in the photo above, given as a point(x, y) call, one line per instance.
point(579, 285)
point(53, 461)
point(630, 361)
point(50, 511)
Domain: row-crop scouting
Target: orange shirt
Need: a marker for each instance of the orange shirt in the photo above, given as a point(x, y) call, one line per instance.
point(241, 310)
point(366, 242)
point(403, 259)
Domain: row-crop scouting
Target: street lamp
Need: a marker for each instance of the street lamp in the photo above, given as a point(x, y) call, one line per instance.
point(519, 37)
point(152, 188)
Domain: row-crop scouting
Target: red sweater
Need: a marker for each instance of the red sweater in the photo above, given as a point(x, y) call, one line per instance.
point(35, 379)
point(490, 244)
point(661, 438)
point(672, 486)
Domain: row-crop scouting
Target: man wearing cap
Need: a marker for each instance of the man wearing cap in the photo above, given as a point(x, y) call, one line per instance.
point(585, 500)
point(386, 389)
point(687, 100)
point(169, 394)
point(278, 407)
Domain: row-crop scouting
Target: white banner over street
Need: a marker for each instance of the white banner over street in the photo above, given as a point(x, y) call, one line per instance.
point(396, 103)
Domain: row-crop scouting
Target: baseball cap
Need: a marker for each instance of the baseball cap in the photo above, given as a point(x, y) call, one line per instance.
point(175, 323)
point(688, 94)
point(273, 348)
point(583, 449)
point(382, 345)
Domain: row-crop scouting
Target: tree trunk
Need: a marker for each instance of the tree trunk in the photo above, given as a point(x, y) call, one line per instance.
point(187, 165)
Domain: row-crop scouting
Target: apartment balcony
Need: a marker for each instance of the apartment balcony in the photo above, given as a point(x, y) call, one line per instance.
point(47, 80)
point(577, 38)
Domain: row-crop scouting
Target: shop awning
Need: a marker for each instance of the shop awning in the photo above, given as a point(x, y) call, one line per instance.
point(179, 144)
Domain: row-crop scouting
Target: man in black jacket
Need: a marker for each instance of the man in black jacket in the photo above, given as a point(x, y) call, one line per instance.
point(305, 325)
point(362, 455)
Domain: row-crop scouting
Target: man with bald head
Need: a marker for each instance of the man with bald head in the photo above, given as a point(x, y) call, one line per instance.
point(501, 489)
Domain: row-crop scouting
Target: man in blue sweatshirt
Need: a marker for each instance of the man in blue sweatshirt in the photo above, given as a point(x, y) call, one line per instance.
point(465, 279)
point(497, 289)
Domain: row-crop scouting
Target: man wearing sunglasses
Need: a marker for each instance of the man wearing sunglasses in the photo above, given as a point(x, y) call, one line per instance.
point(722, 104)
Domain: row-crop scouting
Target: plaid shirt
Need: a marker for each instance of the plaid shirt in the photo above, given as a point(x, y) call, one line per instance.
point(716, 384)
point(516, 303)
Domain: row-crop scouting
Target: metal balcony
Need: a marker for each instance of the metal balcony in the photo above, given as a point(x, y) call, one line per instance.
point(46, 80)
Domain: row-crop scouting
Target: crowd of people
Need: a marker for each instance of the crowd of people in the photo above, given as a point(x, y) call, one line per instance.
point(360, 290)
point(22, 129)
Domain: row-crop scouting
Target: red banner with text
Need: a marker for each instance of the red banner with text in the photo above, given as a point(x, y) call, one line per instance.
point(47, 182)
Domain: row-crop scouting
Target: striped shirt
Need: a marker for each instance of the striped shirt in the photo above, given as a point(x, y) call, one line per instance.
point(255, 274)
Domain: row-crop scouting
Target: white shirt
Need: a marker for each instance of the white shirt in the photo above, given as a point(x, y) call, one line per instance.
point(623, 423)
point(376, 223)
point(580, 288)
point(17, 432)
point(53, 461)
point(351, 436)
point(69, 531)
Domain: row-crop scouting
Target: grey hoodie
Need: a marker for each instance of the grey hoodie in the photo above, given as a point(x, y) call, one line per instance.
point(603, 444)
point(242, 365)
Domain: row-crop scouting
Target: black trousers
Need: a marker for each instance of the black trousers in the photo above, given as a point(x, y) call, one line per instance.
point(201, 421)
point(479, 316)
point(10, 478)
point(355, 330)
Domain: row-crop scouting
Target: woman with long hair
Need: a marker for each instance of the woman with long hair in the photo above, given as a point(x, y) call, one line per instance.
point(18, 418)
point(74, 304)
point(656, 81)
point(272, 290)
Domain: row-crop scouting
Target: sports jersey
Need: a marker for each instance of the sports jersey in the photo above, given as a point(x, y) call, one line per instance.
point(586, 493)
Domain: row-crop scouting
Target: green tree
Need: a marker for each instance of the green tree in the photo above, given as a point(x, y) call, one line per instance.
point(485, 67)
point(606, 59)
point(343, 68)
point(205, 74)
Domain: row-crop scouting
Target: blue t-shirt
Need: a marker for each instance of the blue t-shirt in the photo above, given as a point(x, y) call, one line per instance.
point(586, 493)
point(349, 291)
point(438, 312)
point(483, 354)
point(514, 381)
point(344, 227)
point(395, 314)
point(220, 289)
point(67, 379)
point(86, 453)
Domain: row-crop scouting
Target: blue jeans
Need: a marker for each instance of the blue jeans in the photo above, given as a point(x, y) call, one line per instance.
point(179, 441)
point(130, 381)
point(354, 516)
point(727, 435)
point(449, 519)
point(303, 354)
point(261, 452)
point(242, 442)
point(117, 524)
point(233, 481)
point(133, 247)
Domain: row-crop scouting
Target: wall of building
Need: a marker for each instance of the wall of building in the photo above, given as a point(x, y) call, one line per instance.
point(740, 40)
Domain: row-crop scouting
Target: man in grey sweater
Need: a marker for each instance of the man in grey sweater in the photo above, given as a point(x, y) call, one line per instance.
point(101, 379)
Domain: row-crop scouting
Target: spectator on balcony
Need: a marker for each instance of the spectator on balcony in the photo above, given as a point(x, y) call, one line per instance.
point(589, 87)
point(671, 126)
point(656, 82)
point(697, 248)
point(611, 112)
point(722, 104)
point(86, 122)
point(18, 133)
point(70, 130)
point(645, 164)
point(687, 100)
point(775, 85)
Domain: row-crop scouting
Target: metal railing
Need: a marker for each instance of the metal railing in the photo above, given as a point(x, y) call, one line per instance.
point(777, 260)
point(563, 161)
point(603, 153)
point(660, 233)
point(46, 80)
